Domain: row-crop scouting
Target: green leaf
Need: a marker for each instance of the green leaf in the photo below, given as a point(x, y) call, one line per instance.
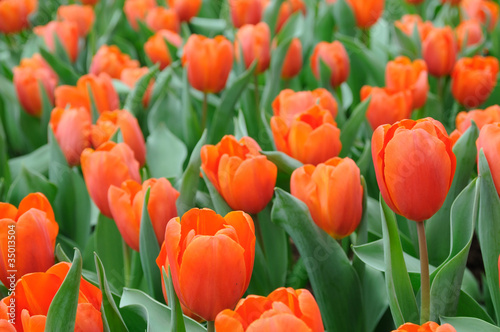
point(161, 84)
point(344, 18)
point(175, 306)
point(4, 157)
point(165, 160)
point(133, 103)
point(407, 44)
point(468, 307)
point(219, 203)
point(284, 162)
point(190, 123)
point(270, 15)
point(61, 255)
point(350, 129)
point(46, 108)
point(208, 26)
point(65, 72)
point(467, 324)
point(29, 182)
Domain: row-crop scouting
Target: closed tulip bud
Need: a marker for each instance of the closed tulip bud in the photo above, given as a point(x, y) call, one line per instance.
point(414, 165)
point(427, 327)
point(484, 11)
point(66, 32)
point(473, 80)
point(109, 165)
point(215, 280)
point(35, 231)
point(408, 23)
point(386, 106)
point(126, 203)
point(366, 12)
point(209, 62)
point(101, 87)
point(292, 65)
point(480, 117)
point(254, 41)
point(136, 10)
point(161, 18)
point(284, 307)
point(186, 9)
point(333, 193)
point(489, 141)
point(243, 177)
point(110, 60)
point(34, 293)
point(289, 103)
point(130, 76)
point(157, 50)
point(311, 138)
point(82, 16)
point(110, 121)
point(402, 74)
point(71, 129)
point(439, 51)
point(287, 9)
point(469, 32)
point(245, 12)
point(89, 2)
point(14, 15)
point(335, 57)
point(28, 76)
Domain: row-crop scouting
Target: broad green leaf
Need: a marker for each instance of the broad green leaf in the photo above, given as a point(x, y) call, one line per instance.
point(10, 111)
point(4, 157)
point(219, 203)
point(351, 127)
point(468, 307)
point(467, 324)
point(133, 104)
point(344, 17)
point(190, 122)
point(270, 15)
point(209, 27)
point(161, 84)
point(177, 317)
point(29, 182)
point(283, 161)
point(406, 43)
point(46, 109)
point(65, 72)
point(165, 160)
point(375, 299)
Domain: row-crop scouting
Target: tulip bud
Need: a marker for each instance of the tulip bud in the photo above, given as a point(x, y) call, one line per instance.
point(480, 117)
point(130, 76)
point(82, 16)
point(489, 141)
point(161, 18)
point(245, 12)
point(110, 60)
point(14, 15)
point(287, 9)
point(427, 327)
point(136, 10)
point(439, 50)
point(292, 65)
point(335, 57)
point(66, 32)
point(414, 165)
point(367, 12)
point(89, 2)
point(186, 9)
point(469, 31)
point(484, 11)
point(408, 23)
point(401, 74)
point(254, 41)
point(157, 50)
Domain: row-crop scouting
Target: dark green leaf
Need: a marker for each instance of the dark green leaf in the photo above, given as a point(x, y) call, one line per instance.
point(283, 161)
point(29, 182)
point(468, 307)
point(177, 317)
point(467, 324)
point(135, 97)
point(350, 129)
point(219, 203)
point(165, 160)
point(344, 17)
point(66, 74)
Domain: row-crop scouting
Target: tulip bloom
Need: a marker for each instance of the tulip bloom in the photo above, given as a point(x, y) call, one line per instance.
point(71, 129)
point(82, 16)
point(335, 57)
point(489, 141)
point(480, 117)
point(34, 293)
point(66, 32)
point(292, 65)
point(209, 62)
point(289, 103)
point(311, 138)
point(89, 2)
point(469, 31)
point(473, 80)
point(35, 231)
point(14, 15)
point(156, 47)
point(109, 165)
point(243, 176)
point(386, 106)
point(186, 9)
point(27, 79)
point(110, 60)
point(408, 23)
point(439, 51)
point(287, 9)
point(126, 203)
point(245, 12)
point(284, 307)
point(333, 193)
point(161, 18)
point(414, 165)
point(110, 121)
point(254, 41)
point(484, 11)
point(427, 327)
point(136, 10)
point(401, 74)
point(367, 12)
point(130, 76)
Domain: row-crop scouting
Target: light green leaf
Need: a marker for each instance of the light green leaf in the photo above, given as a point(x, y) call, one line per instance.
point(467, 324)
point(165, 153)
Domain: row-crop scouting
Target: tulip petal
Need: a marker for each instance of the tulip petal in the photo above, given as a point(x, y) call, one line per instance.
point(279, 323)
point(88, 318)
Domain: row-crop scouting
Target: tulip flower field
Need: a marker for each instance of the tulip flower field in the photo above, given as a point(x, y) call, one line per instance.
point(249, 165)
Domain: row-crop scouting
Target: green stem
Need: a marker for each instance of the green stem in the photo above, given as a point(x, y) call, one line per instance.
point(425, 288)
point(126, 263)
point(256, 90)
point(210, 326)
point(204, 111)
point(258, 232)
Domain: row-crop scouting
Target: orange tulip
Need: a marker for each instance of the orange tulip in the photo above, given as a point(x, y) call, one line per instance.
point(14, 15)
point(110, 60)
point(312, 137)
point(367, 12)
point(408, 23)
point(401, 74)
point(480, 117)
point(245, 12)
point(484, 11)
point(71, 129)
point(82, 16)
point(427, 327)
point(33, 230)
point(33, 295)
point(283, 309)
point(254, 42)
point(130, 76)
point(109, 165)
point(289, 104)
point(161, 18)
point(110, 121)
point(156, 47)
point(489, 141)
point(209, 62)
point(27, 79)
point(469, 31)
point(473, 80)
point(335, 57)
point(439, 51)
point(287, 9)
point(66, 32)
point(292, 65)
point(89, 2)
point(126, 203)
point(243, 176)
point(386, 106)
point(211, 259)
point(414, 165)
point(186, 9)
point(136, 10)
point(333, 193)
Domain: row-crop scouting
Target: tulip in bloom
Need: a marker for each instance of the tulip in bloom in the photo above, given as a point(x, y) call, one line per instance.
point(136, 10)
point(489, 141)
point(402, 74)
point(254, 41)
point(473, 80)
point(130, 76)
point(82, 16)
point(335, 57)
point(427, 327)
point(209, 62)
point(126, 203)
point(27, 79)
point(65, 31)
point(311, 138)
point(211, 259)
point(186, 9)
point(35, 231)
point(89, 2)
point(245, 12)
point(408, 23)
point(292, 65)
point(469, 32)
point(243, 176)
point(71, 129)
point(480, 117)
point(414, 165)
point(439, 50)
point(14, 14)
point(287, 9)
point(284, 308)
point(109, 165)
point(161, 18)
point(367, 12)
point(333, 193)
point(156, 47)
point(485, 11)
point(386, 106)
point(110, 60)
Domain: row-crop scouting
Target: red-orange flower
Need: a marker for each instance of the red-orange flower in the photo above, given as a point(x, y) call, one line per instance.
point(110, 60)
point(243, 176)
point(82, 16)
point(469, 31)
point(335, 57)
point(211, 259)
point(312, 137)
point(126, 203)
point(156, 47)
point(287, 9)
point(367, 12)
point(489, 141)
point(480, 117)
point(292, 65)
point(386, 106)
point(245, 12)
point(14, 14)
point(333, 193)
point(473, 80)
point(161, 18)
point(109, 165)
point(186, 9)
point(402, 74)
point(130, 76)
point(283, 309)
point(136, 10)
point(427, 327)
point(254, 41)
point(89, 2)
point(66, 32)
point(408, 23)
point(485, 11)
point(414, 165)
point(439, 51)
